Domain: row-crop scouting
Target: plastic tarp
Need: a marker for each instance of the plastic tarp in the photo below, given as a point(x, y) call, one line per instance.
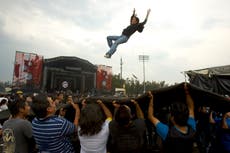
point(215, 79)
point(163, 98)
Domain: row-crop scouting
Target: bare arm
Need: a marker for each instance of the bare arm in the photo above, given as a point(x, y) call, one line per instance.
point(189, 101)
point(77, 110)
point(138, 109)
point(224, 123)
point(211, 120)
point(83, 103)
point(107, 112)
point(146, 18)
point(151, 116)
point(133, 15)
point(116, 106)
point(147, 15)
point(134, 11)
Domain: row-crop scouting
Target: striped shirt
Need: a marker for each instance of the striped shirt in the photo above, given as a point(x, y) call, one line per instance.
point(51, 134)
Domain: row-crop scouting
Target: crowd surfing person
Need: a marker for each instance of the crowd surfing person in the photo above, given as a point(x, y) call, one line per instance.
point(17, 130)
point(93, 130)
point(179, 137)
point(127, 135)
point(51, 132)
point(126, 33)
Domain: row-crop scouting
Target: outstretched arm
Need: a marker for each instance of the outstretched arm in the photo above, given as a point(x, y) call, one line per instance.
point(224, 122)
point(107, 112)
point(147, 15)
point(116, 106)
point(151, 116)
point(189, 101)
point(134, 11)
point(133, 15)
point(77, 110)
point(211, 119)
point(138, 109)
point(146, 18)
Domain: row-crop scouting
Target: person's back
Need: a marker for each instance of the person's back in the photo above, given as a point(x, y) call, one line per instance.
point(97, 142)
point(203, 132)
point(127, 135)
point(17, 131)
point(225, 133)
point(178, 142)
point(127, 139)
point(51, 132)
point(179, 137)
point(93, 128)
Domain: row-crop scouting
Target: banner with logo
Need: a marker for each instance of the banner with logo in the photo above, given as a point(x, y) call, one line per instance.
point(27, 69)
point(104, 77)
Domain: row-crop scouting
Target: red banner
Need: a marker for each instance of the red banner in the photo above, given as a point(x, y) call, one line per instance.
point(104, 77)
point(27, 69)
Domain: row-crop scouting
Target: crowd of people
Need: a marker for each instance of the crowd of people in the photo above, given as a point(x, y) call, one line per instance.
point(40, 123)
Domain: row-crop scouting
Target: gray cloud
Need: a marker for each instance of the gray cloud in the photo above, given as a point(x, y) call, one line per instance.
point(215, 22)
point(79, 28)
point(188, 43)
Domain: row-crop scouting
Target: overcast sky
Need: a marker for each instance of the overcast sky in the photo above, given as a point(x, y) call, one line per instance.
point(180, 35)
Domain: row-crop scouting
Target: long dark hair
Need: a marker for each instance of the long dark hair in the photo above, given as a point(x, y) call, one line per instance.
point(180, 113)
point(91, 119)
point(123, 115)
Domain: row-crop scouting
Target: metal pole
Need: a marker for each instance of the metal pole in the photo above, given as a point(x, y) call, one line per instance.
point(144, 58)
point(121, 68)
point(144, 75)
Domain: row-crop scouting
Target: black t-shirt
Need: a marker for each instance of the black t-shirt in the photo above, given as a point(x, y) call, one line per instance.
point(133, 28)
point(178, 142)
point(127, 139)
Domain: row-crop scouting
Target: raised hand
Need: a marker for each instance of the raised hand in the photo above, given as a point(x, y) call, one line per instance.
point(148, 12)
point(150, 95)
point(115, 104)
point(134, 11)
point(83, 103)
point(134, 101)
point(186, 88)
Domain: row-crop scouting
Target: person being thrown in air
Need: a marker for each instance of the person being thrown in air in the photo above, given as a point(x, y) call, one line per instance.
point(127, 32)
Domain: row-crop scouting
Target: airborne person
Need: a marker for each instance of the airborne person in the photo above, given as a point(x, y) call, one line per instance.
point(127, 32)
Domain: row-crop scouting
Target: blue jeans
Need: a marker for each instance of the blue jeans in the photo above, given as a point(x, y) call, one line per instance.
point(117, 40)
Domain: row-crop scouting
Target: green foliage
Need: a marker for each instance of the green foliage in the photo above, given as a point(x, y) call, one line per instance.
point(134, 87)
point(3, 85)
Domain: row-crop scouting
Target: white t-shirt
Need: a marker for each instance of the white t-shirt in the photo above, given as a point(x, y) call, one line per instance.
point(4, 107)
point(96, 143)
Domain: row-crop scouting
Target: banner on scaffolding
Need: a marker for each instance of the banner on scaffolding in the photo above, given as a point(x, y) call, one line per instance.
point(104, 77)
point(27, 70)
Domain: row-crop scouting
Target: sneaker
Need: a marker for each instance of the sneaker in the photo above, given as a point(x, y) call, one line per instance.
point(107, 56)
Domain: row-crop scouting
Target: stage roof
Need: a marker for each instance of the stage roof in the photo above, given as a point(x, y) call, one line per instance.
point(71, 63)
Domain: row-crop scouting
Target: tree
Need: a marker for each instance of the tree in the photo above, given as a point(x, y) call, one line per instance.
point(133, 86)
